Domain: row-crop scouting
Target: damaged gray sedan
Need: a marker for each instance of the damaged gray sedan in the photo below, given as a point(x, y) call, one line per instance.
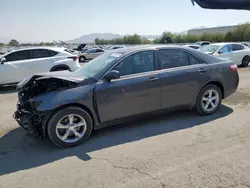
point(119, 86)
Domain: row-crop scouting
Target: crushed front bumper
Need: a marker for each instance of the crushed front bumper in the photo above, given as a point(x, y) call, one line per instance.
point(28, 121)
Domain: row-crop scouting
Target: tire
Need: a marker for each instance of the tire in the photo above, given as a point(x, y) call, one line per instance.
point(245, 61)
point(59, 69)
point(82, 59)
point(204, 98)
point(56, 134)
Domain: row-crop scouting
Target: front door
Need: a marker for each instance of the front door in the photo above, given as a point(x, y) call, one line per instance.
point(136, 92)
point(181, 77)
point(15, 69)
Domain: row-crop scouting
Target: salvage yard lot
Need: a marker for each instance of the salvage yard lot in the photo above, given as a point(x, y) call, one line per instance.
point(176, 150)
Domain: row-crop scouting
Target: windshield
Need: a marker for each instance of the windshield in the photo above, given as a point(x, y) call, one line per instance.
point(210, 48)
point(98, 66)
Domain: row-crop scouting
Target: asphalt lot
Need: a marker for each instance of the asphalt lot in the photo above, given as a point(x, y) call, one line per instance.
point(180, 149)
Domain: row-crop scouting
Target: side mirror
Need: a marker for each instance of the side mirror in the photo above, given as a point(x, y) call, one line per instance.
point(3, 60)
point(220, 52)
point(114, 74)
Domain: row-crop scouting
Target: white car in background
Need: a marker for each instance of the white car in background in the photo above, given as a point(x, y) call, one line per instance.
point(238, 53)
point(90, 54)
point(19, 64)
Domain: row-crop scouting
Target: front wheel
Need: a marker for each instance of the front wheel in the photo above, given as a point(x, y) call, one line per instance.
point(209, 100)
point(70, 127)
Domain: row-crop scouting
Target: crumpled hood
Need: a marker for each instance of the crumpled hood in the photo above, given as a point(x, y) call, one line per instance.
point(63, 75)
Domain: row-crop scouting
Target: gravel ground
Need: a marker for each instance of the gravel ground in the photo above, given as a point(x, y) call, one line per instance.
point(176, 150)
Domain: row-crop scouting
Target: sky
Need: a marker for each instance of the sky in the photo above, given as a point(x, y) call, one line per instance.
point(48, 20)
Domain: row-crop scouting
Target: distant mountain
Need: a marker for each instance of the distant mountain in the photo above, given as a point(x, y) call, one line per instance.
point(90, 38)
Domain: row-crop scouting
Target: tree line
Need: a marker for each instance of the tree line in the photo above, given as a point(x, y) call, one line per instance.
point(241, 33)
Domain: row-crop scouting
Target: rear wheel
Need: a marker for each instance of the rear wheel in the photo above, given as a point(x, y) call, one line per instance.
point(245, 61)
point(69, 127)
point(209, 100)
point(82, 59)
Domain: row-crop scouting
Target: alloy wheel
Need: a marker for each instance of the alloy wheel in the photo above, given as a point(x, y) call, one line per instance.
point(210, 100)
point(71, 128)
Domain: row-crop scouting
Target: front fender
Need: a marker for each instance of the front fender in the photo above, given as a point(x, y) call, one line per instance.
point(51, 101)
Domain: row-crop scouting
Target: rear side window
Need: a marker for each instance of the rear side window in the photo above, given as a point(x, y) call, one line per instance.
point(53, 53)
point(194, 47)
point(99, 50)
point(169, 58)
point(205, 43)
point(237, 47)
point(92, 51)
point(194, 60)
point(17, 56)
point(40, 53)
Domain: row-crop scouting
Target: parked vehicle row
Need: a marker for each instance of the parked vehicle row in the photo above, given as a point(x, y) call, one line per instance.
point(122, 85)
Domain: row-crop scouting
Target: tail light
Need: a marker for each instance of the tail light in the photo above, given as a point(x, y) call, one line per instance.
point(233, 68)
point(73, 57)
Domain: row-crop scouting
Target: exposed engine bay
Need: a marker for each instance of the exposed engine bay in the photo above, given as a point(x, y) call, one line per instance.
point(26, 114)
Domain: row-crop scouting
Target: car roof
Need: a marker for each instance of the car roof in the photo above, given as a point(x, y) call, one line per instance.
point(225, 43)
point(129, 50)
point(58, 49)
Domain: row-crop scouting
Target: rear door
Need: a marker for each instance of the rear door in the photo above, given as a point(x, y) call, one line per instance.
point(42, 60)
point(91, 54)
point(238, 53)
point(16, 67)
point(182, 75)
point(136, 92)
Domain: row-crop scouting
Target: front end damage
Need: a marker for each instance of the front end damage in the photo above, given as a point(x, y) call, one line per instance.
point(29, 90)
point(30, 122)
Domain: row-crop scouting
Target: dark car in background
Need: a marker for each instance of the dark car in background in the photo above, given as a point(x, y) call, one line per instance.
point(120, 85)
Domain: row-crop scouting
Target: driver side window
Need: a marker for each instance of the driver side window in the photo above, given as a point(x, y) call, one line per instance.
point(18, 56)
point(136, 63)
point(226, 49)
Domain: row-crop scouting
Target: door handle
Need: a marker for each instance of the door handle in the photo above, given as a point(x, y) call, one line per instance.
point(202, 70)
point(153, 79)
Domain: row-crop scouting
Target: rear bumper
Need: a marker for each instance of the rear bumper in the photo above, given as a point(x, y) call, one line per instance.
point(76, 66)
point(232, 86)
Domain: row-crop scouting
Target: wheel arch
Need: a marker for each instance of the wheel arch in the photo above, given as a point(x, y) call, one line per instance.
point(218, 84)
point(49, 116)
point(60, 66)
